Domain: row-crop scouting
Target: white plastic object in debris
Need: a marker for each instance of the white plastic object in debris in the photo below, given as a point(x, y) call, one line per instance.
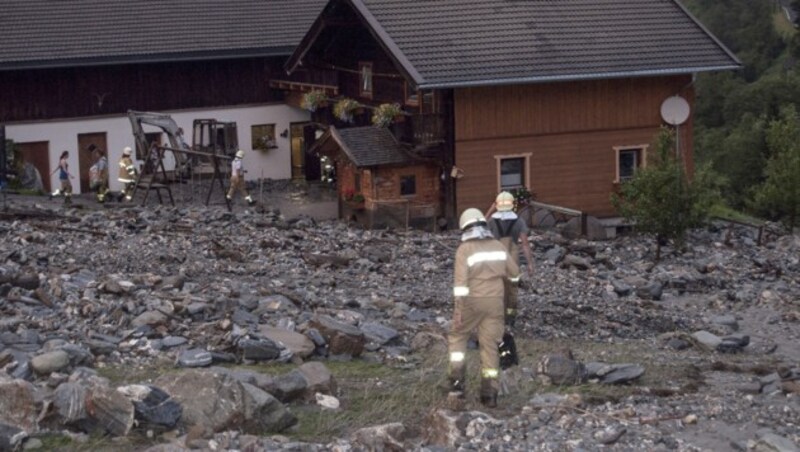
point(327, 401)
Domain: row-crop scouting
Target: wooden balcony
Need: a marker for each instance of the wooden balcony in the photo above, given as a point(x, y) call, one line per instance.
point(427, 129)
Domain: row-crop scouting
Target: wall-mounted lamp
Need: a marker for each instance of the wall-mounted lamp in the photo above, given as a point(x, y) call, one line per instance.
point(285, 133)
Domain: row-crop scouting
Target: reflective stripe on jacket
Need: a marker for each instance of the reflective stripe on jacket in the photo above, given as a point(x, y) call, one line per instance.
point(127, 172)
point(480, 268)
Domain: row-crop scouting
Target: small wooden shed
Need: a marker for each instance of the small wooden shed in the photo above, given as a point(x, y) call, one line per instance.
point(379, 183)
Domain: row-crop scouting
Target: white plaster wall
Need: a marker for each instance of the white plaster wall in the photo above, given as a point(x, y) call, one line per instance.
point(63, 135)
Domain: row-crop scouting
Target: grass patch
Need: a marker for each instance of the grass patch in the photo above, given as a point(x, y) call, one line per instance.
point(726, 213)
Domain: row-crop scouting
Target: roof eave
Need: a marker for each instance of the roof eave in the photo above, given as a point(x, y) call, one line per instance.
point(388, 42)
point(147, 59)
point(575, 77)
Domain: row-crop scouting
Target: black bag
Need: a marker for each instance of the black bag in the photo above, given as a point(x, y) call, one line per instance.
point(508, 351)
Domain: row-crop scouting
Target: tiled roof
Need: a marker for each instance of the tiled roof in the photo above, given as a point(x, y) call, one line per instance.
point(369, 146)
point(447, 43)
point(49, 33)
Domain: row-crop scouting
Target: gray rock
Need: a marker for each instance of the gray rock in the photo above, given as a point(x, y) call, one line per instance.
point(622, 373)
point(609, 435)
point(173, 282)
point(215, 402)
point(194, 358)
point(770, 442)
point(561, 369)
point(173, 341)
point(555, 254)
point(726, 320)
point(380, 334)
point(153, 407)
point(621, 288)
point(290, 386)
point(299, 344)
point(386, 437)
point(707, 340)
point(574, 261)
point(258, 349)
point(28, 281)
point(11, 437)
point(318, 378)
point(50, 362)
point(149, 318)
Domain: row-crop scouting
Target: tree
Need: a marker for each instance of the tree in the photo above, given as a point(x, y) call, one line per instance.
point(661, 199)
point(779, 196)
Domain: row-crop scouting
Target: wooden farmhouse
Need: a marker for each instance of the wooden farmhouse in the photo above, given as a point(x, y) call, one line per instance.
point(71, 69)
point(561, 97)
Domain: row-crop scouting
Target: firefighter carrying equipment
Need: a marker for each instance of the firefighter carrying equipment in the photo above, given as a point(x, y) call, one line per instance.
point(504, 202)
point(481, 266)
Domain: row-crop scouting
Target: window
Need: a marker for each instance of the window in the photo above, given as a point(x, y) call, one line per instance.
point(408, 185)
point(512, 171)
point(263, 137)
point(629, 158)
point(357, 182)
point(365, 79)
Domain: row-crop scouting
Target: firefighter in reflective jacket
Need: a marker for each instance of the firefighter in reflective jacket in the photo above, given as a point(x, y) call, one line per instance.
point(512, 232)
point(237, 179)
point(127, 174)
point(481, 265)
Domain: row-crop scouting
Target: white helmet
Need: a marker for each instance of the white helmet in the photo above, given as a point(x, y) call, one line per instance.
point(470, 217)
point(240, 154)
point(127, 150)
point(504, 202)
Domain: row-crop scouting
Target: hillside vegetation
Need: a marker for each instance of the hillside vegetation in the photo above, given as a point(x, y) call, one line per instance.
point(735, 111)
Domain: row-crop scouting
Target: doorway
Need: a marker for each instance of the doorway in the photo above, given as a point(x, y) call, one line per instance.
point(37, 153)
point(298, 144)
point(88, 144)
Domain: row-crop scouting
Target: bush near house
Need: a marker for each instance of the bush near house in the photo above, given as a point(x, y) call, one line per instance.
point(779, 196)
point(662, 200)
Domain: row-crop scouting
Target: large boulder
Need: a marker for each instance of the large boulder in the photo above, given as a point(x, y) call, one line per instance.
point(216, 402)
point(17, 404)
point(93, 407)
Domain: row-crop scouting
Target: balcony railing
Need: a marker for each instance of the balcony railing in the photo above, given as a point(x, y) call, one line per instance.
point(427, 129)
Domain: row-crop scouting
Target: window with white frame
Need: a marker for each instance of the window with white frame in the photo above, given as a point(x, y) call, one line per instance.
point(629, 159)
point(365, 79)
point(512, 171)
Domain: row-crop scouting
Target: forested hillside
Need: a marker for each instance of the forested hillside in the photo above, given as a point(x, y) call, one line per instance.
point(735, 111)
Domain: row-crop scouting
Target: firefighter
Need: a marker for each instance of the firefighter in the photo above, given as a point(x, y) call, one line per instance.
point(512, 232)
point(237, 179)
point(482, 265)
point(127, 174)
point(99, 177)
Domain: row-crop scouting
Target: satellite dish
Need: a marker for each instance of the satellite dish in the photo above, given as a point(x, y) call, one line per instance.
point(675, 110)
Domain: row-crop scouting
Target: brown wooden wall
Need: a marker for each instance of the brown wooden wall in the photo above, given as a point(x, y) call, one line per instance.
point(89, 91)
point(569, 128)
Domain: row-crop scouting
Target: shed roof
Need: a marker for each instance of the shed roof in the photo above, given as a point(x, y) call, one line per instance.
point(49, 33)
point(366, 146)
point(452, 43)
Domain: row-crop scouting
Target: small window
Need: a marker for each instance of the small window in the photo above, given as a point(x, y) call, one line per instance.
point(263, 137)
point(365, 79)
point(629, 159)
point(512, 173)
point(408, 185)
